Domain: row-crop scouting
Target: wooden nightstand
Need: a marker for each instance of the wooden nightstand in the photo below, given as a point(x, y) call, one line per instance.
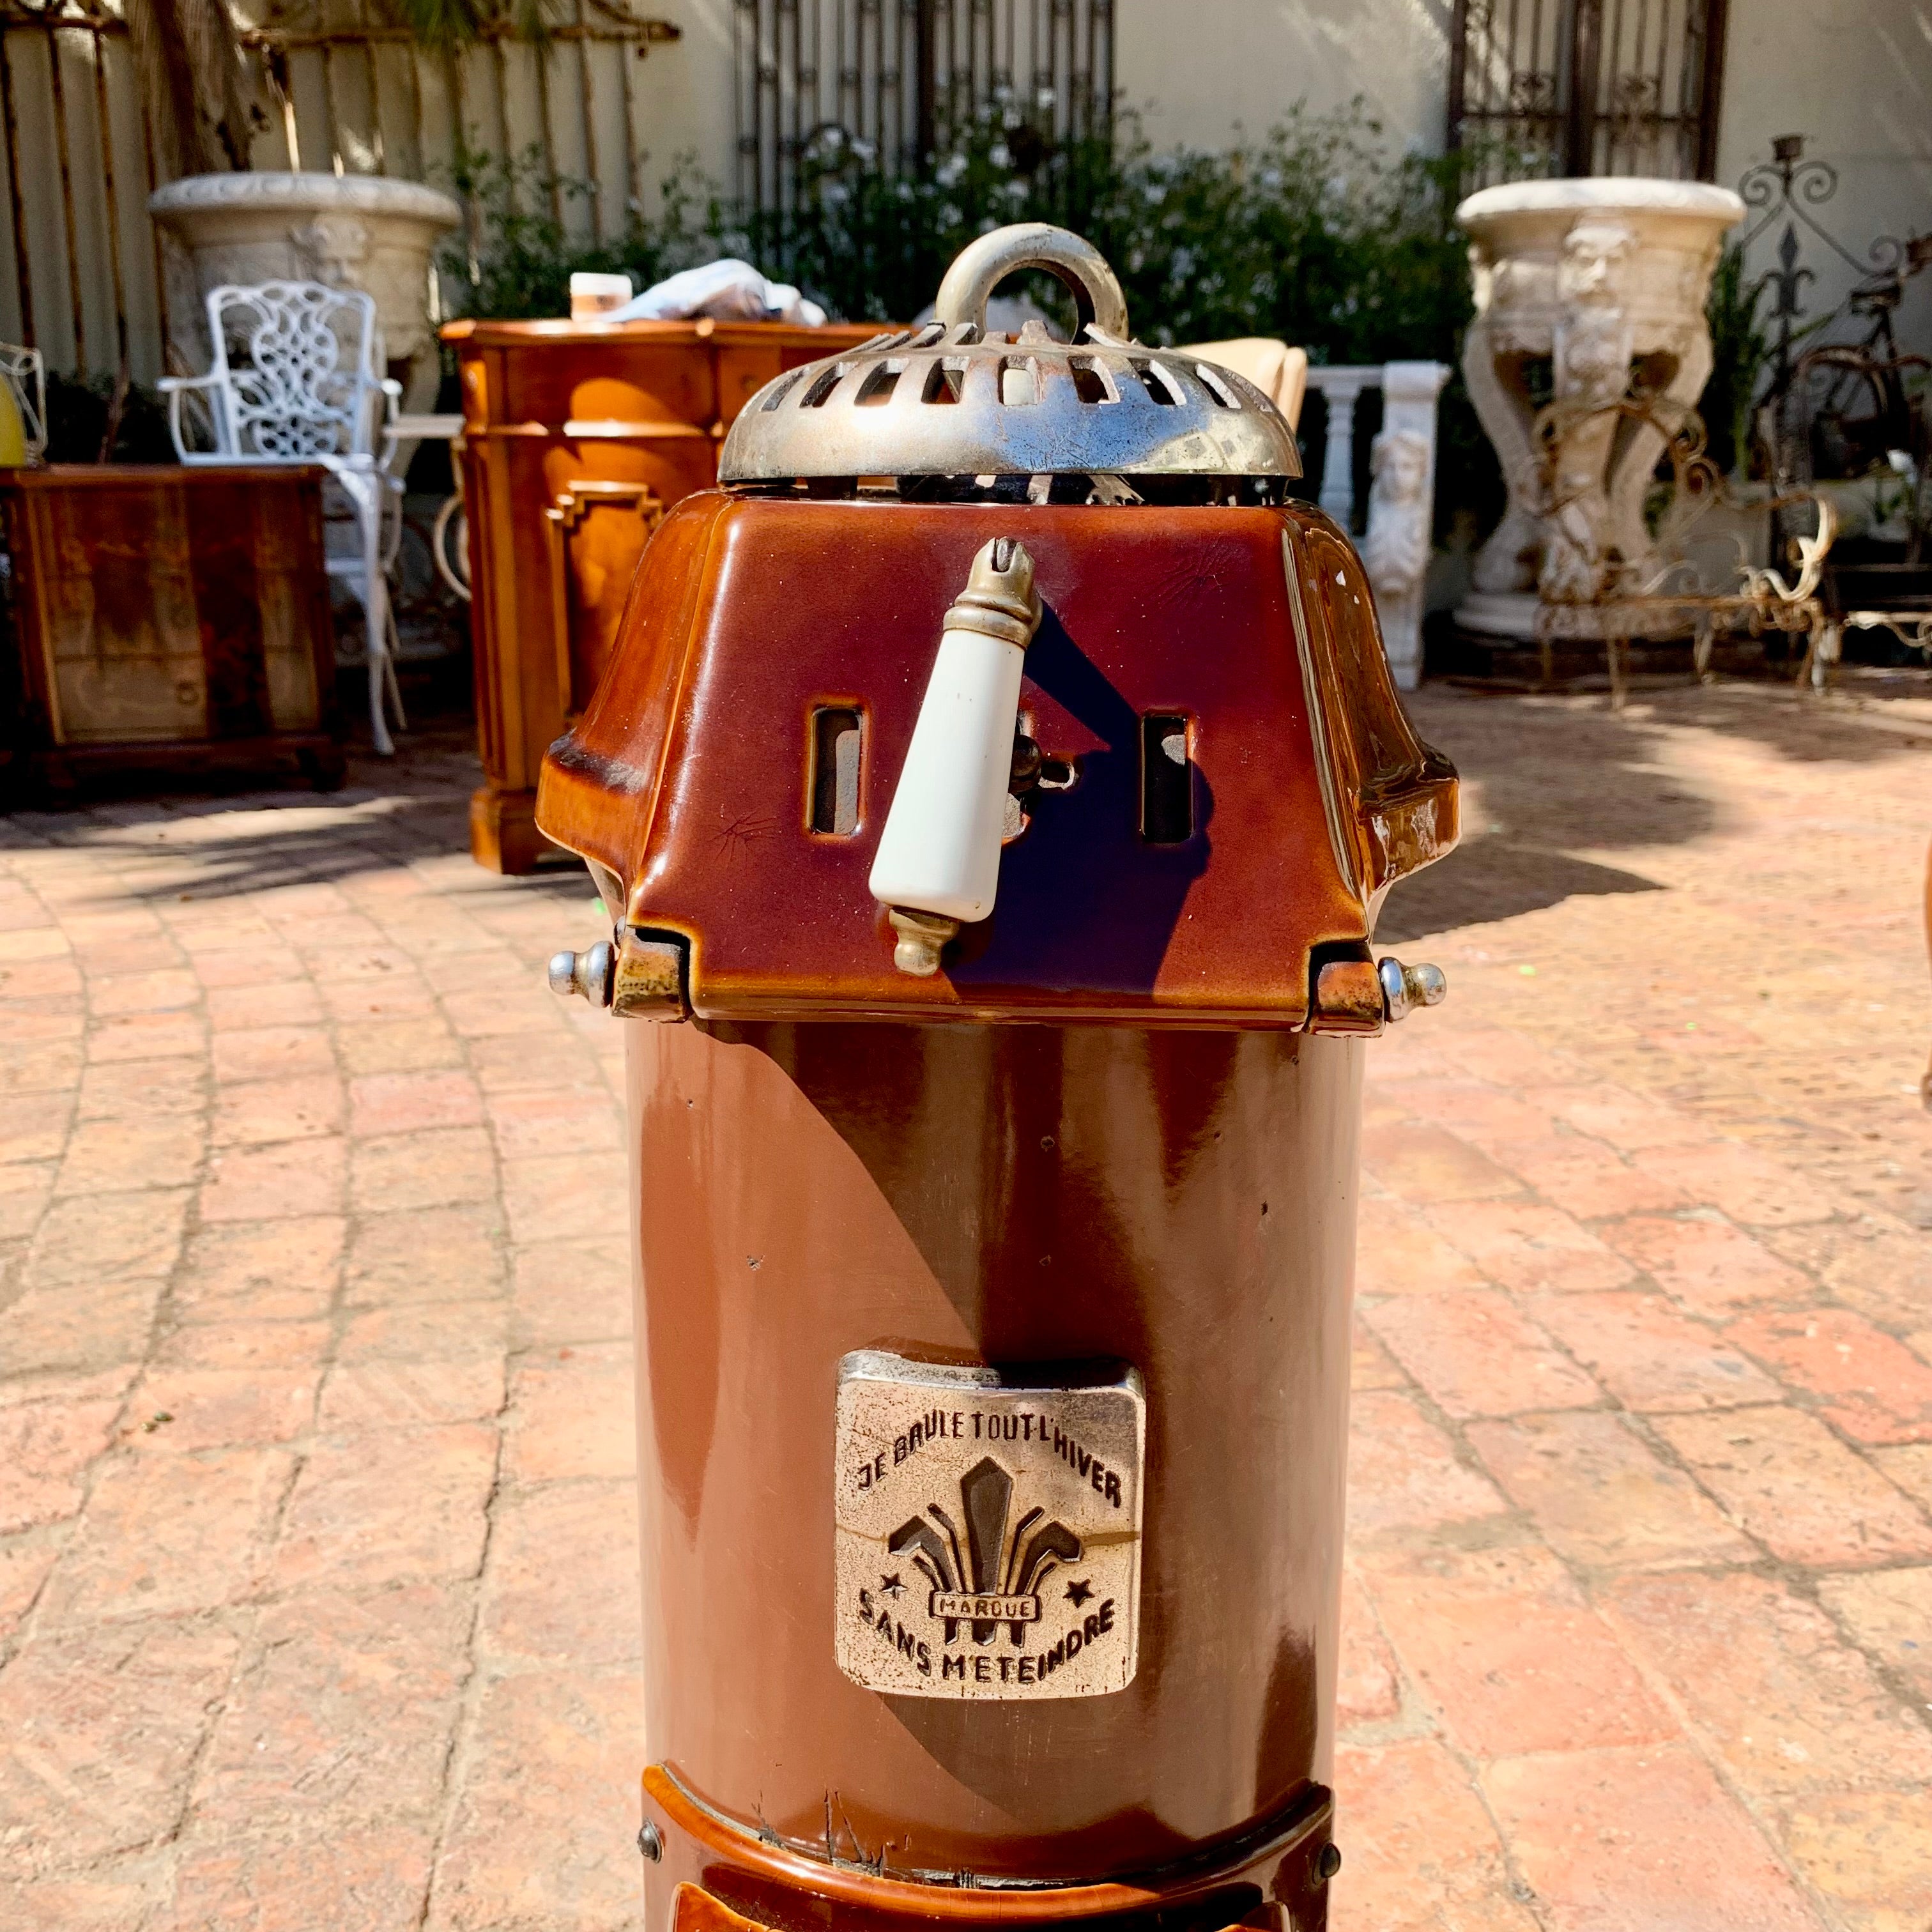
point(163, 617)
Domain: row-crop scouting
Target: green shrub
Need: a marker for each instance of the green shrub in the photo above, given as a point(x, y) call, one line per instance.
point(525, 253)
point(1316, 233)
point(1741, 351)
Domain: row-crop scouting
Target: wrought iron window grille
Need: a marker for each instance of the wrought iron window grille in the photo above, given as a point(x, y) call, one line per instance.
point(1584, 87)
point(884, 79)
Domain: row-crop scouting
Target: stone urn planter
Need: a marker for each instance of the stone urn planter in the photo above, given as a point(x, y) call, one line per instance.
point(363, 231)
point(1604, 280)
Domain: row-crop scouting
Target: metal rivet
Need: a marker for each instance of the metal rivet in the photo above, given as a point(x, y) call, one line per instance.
point(651, 1845)
point(1328, 1861)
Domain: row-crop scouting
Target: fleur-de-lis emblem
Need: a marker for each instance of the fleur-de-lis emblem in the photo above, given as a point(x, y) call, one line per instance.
point(1000, 1569)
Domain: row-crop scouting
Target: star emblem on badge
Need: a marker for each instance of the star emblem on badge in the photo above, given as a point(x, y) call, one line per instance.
point(890, 1585)
point(1077, 1594)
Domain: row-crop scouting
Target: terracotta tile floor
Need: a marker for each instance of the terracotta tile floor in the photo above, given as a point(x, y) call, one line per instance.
point(317, 1608)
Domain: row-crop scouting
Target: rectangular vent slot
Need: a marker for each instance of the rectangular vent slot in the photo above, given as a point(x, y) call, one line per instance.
point(838, 739)
point(1167, 780)
point(782, 387)
point(879, 385)
point(1090, 385)
point(1211, 381)
point(816, 397)
point(943, 382)
point(1019, 381)
point(1153, 379)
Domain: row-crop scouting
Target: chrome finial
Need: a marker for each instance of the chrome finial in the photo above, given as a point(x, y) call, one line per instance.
point(587, 972)
point(1405, 988)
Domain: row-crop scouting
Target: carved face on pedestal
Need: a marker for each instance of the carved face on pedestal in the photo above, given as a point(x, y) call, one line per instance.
point(334, 248)
point(1595, 255)
point(1593, 344)
point(1399, 461)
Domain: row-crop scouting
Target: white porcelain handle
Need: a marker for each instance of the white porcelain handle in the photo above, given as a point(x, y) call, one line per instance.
point(939, 855)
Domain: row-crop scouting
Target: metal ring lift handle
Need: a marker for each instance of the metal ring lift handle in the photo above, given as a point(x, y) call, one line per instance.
point(982, 266)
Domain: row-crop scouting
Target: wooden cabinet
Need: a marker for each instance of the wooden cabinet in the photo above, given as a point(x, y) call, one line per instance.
point(576, 437)
point(162, 615)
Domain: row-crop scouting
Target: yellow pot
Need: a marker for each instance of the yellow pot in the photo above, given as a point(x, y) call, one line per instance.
point(13, 429)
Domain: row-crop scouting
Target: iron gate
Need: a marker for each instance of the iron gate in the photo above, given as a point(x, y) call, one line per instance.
point(1587, 87)
point(888, 73)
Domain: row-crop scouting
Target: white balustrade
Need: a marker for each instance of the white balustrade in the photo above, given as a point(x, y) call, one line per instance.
point(1342, 390)
point(1397, 517)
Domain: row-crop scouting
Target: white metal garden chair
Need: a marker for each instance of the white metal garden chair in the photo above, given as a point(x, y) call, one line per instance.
point(25, 373)
point(297, 378)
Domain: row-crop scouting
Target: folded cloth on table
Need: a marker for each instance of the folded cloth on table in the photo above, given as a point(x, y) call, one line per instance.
point(730, 291)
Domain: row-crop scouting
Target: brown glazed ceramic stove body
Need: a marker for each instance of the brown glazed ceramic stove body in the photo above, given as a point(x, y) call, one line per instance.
point(833, 1156)
point(688, 776)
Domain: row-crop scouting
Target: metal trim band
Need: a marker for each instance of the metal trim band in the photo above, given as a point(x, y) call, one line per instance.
point(927, 1895)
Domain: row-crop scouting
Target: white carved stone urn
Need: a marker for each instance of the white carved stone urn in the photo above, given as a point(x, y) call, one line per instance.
point(1603, 281)
point(365, 231)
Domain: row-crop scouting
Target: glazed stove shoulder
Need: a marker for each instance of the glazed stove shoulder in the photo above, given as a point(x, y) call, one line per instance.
point(1249, 632)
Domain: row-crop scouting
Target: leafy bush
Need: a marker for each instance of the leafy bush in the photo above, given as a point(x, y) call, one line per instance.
point(525, 252)
point(1741, 351)
point(1316, 233)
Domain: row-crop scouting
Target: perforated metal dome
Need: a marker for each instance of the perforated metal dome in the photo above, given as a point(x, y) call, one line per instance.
point(949, 399)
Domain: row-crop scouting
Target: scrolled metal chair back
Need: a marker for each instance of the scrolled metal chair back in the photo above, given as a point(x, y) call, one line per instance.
point(301, 370)
point(24, 372)
point(1601, 594)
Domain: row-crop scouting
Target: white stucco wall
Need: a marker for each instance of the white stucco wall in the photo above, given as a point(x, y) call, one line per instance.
point(1202, 67)
point(1856, 75)
point(684, 93)
point(1854, 78)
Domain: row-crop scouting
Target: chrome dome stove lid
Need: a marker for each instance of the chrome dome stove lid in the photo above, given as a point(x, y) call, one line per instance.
point(948, 399)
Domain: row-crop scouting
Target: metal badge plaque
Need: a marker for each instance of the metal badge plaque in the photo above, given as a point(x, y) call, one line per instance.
point(988, 1527)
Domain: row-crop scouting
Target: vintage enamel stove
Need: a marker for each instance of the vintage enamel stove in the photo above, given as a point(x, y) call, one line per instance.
point(995, 780)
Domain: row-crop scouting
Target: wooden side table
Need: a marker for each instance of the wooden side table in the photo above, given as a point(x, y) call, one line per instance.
point(576, 437)
point(160, 616)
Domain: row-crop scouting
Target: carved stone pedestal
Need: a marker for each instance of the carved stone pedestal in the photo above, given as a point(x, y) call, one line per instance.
point(1585, 291)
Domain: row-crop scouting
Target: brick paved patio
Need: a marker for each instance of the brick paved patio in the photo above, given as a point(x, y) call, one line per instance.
point(317, 1608)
